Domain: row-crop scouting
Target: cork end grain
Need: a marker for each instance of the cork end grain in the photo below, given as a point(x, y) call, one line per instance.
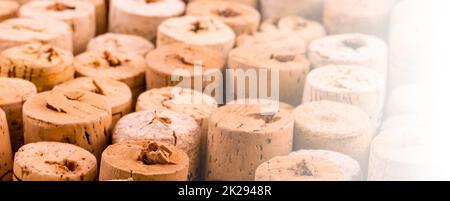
point(138, 160)
point(53, 161)
point(309, 165)
point(188, 101)
point(121, 42)
point(15, 91)
point(110, 64)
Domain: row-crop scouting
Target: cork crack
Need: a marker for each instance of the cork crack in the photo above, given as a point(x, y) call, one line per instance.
point(154, 154)
point(58, 6)
point(227, 12)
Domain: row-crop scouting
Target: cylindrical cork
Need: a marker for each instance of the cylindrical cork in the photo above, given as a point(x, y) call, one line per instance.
point(290, 65)
point(415, 99)
point(242, 136)
point(311, 9)
point(117, 94)
point(71, 116)
point(144, 161)
point(126, 67)
point(142, 17)
point(100, 13)
point(349, 49)
point(44, 65)
point(166, 126)
point(8, 9)
point(6, 156)
point(357, 16)
point(175, 65)
point(354, 85)
point(310, 165)
point(54, 161)
point(19, 31)
point(121, 42)
point(399, 153)
point(333, 126)
point(307, 29)
point(280, 39)
point(79, 15)
point(14, 92)
point(193, 103)
point(197, 30)
point(241, 18)
point(252, 3)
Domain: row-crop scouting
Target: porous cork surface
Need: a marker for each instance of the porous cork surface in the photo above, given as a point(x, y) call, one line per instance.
point(54, 161)
point(121, 42)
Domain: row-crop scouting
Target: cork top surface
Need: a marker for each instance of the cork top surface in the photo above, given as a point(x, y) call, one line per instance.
point(66, 107)
point(253, 117)
point(169, 58)
point(53, 160)
point(408, 144)
point(329, 119)
point(197, 30)
point(15, 90)
point(293, 24)
point(127, 156)
point(281, 39)
point(309, 165)
point(152, 8)
point(117, 93)
point(121, 42)
point(161, 125)
point(344, 78)
point(268, 56)
point(347, 48)
point(188, 101)
point(7, 7)
point(226, 11)
point(109, 64)
point(37, 56)
point(56, 9)
point(28, 29)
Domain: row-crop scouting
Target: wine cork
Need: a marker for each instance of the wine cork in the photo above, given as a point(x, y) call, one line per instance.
point(310, 165)
point(354, 85)
point(242, 136)
point(311, 9)
point(44, 65)
point(5, 150)
point(79, 15)
point(166, 126)
point(128, 68)
point(410, 99)
point(307, 29)
point(144, 161)
point(121, 42)
point(142, 17)
point(190, 102)
point(117, 94)
point(72, 116)
point(8, 9)
point(349, 49)
point(357, 16)
point(19, 31)
point(241, 18)
point(197, 30)
point(252, 3)
point(14, 92)
point(291, 66)
point(333, 126)
point(280, 39)
point(100, 13)
point(180, 60)
point(54, 161)
point(398, 154)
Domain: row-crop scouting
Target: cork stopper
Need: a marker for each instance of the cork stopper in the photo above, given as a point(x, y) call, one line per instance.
point(15, 91)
